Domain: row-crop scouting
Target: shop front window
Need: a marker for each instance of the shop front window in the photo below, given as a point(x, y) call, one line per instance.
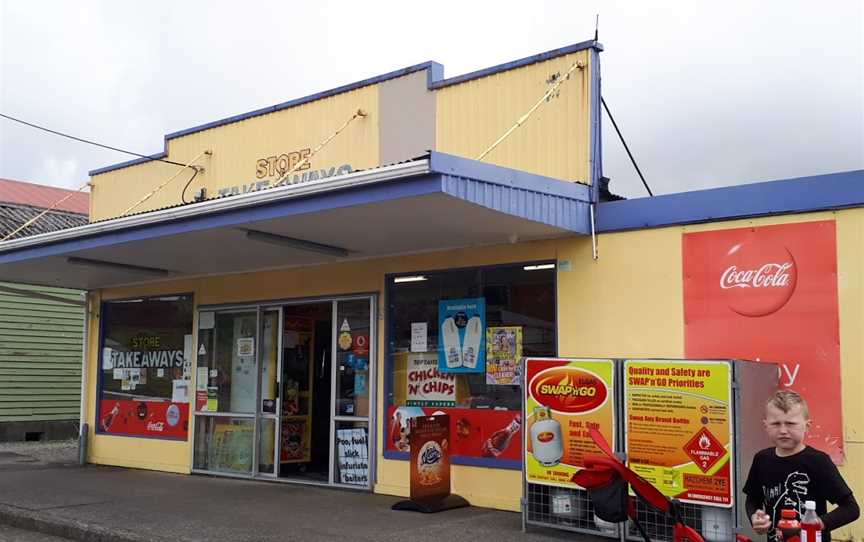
point(145, 367)
point(456, 341)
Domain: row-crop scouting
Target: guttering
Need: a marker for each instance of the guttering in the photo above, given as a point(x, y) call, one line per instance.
point(251, 199)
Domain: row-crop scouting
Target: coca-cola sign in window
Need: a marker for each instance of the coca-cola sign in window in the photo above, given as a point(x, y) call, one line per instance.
point(145, 363)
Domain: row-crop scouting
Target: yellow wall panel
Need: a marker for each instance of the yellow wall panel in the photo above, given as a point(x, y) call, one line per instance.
point(553, 142)
point(238, 146)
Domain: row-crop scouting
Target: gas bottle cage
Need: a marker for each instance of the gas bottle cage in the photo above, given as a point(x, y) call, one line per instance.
point(607, 480)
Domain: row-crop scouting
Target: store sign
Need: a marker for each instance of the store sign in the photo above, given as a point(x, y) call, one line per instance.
point(161, 419)
point(770, 294)
point(427, 386)
point(679, 428)
point(564, 399)
point(275, 167)
point(430, 460)
point(462, 335)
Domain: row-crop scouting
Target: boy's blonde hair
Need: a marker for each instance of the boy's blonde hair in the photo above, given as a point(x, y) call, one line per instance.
point(785, 400)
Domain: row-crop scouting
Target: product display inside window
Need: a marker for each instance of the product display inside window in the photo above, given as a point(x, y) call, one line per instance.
point(146, 367)
point(456, 343)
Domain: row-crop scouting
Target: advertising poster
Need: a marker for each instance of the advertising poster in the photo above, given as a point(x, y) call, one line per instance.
point(476, 433)
point(430, 461)
point(564, 399)
point(679, 428)
point(769, 294)
point(352, 447)
point(427, 386)
point(462, 335)
point(503, 356)
point(161, 419)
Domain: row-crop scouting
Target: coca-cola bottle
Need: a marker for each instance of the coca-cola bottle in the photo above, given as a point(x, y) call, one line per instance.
point(109, 418)
point(498, 442)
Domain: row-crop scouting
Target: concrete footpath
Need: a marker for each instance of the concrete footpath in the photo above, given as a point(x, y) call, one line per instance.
point(100, 504)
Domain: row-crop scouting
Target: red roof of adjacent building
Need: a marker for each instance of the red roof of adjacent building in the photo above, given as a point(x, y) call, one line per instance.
point(37, 195)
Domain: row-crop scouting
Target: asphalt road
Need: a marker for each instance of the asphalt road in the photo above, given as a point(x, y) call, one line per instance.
point(11, 534)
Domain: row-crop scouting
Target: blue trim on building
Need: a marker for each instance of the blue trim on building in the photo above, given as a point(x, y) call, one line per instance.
point(434, 80)
point(134, 162)
point(457, 166)
point(510, 464)
point(533, 59)
point(418, 186)
point(596, 148)
point(800, 195)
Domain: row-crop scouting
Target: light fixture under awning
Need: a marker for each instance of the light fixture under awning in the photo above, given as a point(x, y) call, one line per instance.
point(440, 202)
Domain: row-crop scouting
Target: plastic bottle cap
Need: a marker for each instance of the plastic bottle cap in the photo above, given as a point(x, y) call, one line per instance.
point(810, 505)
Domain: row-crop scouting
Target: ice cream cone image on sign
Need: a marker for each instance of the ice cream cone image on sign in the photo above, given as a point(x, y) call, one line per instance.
point(471, 346)
point(452, 349)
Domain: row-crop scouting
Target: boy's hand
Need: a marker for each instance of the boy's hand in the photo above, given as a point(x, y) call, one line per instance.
point(761, 521)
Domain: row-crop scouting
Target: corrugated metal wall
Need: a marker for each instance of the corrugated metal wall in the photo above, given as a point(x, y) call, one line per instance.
point(238, 146)
point(40, 356)
point(555, 140)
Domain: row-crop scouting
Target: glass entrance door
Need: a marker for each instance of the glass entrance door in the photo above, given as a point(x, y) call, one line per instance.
point(226, 389)
point(287, 391)
point(352, 386)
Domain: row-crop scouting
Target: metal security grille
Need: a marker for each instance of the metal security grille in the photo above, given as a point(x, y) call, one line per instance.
point(566, 509)
point(714, 524)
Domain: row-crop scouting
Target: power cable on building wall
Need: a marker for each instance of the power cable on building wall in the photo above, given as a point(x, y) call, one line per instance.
point(626, 148)
point(61, 134)
point(43, 213)
point(545, 98)
point(281, 180)
point(171, 178)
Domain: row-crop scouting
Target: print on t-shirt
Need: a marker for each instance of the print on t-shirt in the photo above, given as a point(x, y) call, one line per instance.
point(791, 494)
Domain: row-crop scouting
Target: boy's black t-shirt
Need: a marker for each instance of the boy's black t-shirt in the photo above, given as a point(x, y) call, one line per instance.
point(787, 482)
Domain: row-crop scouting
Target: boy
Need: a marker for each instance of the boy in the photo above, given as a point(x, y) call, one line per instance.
point(791, 473)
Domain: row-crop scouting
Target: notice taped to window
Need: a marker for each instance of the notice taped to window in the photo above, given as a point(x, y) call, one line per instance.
point(679, 428)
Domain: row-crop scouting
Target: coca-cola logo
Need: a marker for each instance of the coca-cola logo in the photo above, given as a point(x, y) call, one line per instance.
point(757, 278)
point(156, 426)
point(568, 390)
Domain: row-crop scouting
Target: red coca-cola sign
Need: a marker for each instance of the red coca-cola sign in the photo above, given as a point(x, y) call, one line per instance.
point(568, 390)
point(758, 278)
point(770, 293)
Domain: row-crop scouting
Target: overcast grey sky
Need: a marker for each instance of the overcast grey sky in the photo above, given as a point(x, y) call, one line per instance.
point(707, 94)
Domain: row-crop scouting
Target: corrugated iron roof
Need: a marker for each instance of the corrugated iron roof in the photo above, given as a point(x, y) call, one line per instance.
point(12, 216)
point(37, 195)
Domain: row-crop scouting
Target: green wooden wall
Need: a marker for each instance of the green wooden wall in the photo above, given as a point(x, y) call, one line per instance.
point(40, 355)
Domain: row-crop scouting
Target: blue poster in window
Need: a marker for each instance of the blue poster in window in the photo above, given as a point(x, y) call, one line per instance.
point(462, 335)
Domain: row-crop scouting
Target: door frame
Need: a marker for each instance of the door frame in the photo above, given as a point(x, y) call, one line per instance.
point(371, 420)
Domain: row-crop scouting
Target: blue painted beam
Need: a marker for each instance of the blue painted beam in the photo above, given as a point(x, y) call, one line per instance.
point(800, 195)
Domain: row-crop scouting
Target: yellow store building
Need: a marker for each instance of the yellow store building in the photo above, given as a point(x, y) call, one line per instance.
point(267, 296)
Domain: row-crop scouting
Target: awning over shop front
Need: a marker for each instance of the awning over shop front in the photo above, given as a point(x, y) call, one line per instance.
point(437, 202)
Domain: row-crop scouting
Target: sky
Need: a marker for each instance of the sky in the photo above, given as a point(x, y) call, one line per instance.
point(707, 94)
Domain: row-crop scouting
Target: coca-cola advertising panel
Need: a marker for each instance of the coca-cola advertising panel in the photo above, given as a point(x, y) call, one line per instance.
point(430, 460)
point(160, 419)
point(476, 433)
point(769, 294)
